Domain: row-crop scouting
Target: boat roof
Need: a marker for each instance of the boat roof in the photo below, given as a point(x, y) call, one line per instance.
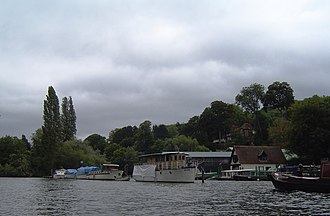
point(113, 165)
point(164, 153)
point(222, 154)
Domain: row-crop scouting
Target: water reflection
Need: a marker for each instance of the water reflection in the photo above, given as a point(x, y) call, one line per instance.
point(56, 197)
point(73, 197)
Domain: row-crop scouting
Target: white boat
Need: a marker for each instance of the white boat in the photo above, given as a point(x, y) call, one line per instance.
point(230, 174)
point(59, 174)
point(165, 167)
point(107, 172)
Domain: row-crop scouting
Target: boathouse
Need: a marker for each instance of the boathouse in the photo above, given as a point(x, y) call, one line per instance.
point(211, 161)
point(260, 158)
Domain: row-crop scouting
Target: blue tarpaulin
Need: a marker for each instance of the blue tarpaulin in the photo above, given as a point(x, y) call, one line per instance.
point(70, 171)
point(86, 170)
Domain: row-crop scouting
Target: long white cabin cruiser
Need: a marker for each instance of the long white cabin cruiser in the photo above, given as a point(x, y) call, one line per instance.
point(107, 172)
point(165, 167)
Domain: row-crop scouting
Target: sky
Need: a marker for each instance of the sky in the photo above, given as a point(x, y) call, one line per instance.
point(124, 62)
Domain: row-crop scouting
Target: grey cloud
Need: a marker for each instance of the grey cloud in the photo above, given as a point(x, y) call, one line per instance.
point(124, 62)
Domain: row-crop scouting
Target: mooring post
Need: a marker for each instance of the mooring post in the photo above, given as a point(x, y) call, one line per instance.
point(203, 176)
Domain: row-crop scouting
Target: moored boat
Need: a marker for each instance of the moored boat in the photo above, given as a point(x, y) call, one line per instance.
point(59, 174)
point(82, 172)
point(70, 173)
point(107, 172)
point(165, 167)
point(290, 182)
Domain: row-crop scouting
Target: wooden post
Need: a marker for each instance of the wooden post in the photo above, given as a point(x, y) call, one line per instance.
point(203, 176)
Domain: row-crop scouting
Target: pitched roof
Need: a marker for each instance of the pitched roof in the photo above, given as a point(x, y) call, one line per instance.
point(251, 154)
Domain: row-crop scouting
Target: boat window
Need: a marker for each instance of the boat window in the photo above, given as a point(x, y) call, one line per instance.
point(175, 157)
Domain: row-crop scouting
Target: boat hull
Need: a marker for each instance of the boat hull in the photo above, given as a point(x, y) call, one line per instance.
point(55, 176)
point(147, 173)
point(107, 175)
point(290, 183)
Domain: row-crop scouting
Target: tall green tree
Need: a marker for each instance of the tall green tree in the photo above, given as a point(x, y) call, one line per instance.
point(250, 99)
point(68, 119)
point(279, 96)
point(47, 150)
point(310, 128)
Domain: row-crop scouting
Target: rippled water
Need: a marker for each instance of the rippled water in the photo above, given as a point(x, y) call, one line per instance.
point(37, 196)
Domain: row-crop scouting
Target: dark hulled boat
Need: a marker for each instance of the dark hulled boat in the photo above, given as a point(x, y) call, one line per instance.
point(289, 182)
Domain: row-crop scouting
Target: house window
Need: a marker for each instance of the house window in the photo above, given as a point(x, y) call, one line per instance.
point(262, 156)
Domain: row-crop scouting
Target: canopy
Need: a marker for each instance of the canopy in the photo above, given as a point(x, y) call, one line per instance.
point(70, 171)
point(85, 170)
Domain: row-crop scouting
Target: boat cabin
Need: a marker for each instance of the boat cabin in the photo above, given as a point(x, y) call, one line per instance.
point(325, 170)
point(108, 167)
point(166, 160)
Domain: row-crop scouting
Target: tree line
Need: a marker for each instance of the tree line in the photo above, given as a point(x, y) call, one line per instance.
point(258, 117)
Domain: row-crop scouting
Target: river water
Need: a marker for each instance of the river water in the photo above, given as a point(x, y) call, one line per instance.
point(38, 196)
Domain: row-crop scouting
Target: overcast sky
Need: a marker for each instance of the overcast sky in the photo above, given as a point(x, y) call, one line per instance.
point(124, 62)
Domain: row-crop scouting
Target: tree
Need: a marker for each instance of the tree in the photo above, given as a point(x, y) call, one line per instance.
point(37, 153)
point(179, 143)
point(97, 142)
point(48, 150)
point(68, 119)
point(194, 129)
point(250, 97)
point(126, 158)
point(123, 136)
point(310, 128)
point(26, 142)
point(144, 138)
point(279, 96)
point(73, 152)
point(14, 157)
point(217, 121)
point(160, 132)
point(172, 130)
point(110, 149)
point(278, 132)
